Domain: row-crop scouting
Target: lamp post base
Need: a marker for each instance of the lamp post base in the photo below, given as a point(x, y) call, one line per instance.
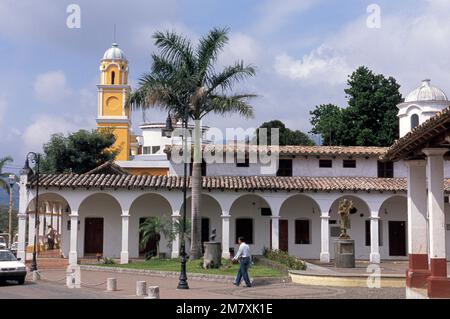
point(183, 284)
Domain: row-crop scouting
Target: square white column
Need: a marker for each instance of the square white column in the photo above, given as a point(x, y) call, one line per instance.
point(374, 239)
point(324, 238)
point(176, 241)
point(21, 236)
point(275, 232)
point(73, 249)
point(435, 174)
point(225, 235)
point(124, 255)
point(417, 207)
point(31, 229)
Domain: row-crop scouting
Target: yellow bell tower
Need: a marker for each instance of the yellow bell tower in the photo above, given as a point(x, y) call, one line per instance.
point(112, 93)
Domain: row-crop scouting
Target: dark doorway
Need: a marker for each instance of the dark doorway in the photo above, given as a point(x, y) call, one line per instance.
point(397, 238)
point(150, 247)
point(93, 236)
point(204, 232)
point(244, 228)
point(205, 229)
point(283, 234)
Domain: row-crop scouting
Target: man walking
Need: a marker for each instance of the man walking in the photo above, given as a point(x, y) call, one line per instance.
point(50, 238)
point(244, 257)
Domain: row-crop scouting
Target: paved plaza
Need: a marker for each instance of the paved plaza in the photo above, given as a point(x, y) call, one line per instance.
point(52, 286)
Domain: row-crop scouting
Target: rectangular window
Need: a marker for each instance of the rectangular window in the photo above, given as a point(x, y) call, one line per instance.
point(380, 233)
point(284, 167)
point(349, 163)
point(335, 231)
point(302, 235)
point(150, 149)
point(155, 149)
point(265, 211)
point(146, 150)
point(385, 169)
point(244, 228)
point(325, 163)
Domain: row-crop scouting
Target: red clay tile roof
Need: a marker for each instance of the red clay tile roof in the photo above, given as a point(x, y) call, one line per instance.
point(353, 151)
point(419, 136)
point(108, 168)
point(249, 183)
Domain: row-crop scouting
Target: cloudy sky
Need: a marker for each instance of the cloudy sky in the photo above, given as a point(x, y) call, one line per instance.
point(303, 51)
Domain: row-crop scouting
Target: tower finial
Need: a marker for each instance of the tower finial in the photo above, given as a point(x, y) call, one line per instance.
point(115, 40)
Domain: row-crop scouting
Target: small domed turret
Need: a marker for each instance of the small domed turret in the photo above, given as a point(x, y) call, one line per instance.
point(421, 104)
point(426, 92)
point(114, 53)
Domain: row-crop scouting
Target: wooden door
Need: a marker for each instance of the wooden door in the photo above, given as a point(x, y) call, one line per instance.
point(283, 235)
point(93, 236)
point(397, 238)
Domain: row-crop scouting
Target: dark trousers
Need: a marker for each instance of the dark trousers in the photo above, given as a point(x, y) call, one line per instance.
point(244, 264)
point(51, 243)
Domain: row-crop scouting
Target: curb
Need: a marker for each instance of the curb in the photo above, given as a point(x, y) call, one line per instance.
point(344, 280)
point(258, 281)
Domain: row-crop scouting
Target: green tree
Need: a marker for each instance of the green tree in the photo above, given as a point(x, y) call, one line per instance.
point(371, 116)
point(185, 78)
point(4, 184)
point(286, 135)
point(326, 120)
point(79, 152)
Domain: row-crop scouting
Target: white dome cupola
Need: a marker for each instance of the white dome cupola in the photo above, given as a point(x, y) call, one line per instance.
point(114, 53)
point(421, 104)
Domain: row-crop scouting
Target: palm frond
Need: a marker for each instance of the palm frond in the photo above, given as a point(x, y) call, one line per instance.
point(229, 76)
point(222, 104)
point(175, 47)
point(209, 48)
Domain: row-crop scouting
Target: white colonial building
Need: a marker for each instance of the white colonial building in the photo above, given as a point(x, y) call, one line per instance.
point(293, 208)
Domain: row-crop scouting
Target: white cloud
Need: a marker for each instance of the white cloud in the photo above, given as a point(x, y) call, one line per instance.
point(39, 132)
point(314, 67)
point(409, 47)
point(241, 47)
point(51, 87)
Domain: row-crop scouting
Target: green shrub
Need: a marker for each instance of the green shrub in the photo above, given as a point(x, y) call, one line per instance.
point(283, 258)
point(108, 261)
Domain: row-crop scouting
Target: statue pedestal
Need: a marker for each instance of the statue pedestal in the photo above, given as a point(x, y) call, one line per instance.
point(344, 253)
point(213, 254)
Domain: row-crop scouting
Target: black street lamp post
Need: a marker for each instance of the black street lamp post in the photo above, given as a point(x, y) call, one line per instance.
point(182, 284)
point(35, 159)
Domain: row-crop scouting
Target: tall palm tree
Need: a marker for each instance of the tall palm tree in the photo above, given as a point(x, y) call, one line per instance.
point(183, 79)
point(4, 176)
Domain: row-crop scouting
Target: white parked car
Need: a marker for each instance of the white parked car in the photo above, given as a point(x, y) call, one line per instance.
point(11, 268)
point(2, 242)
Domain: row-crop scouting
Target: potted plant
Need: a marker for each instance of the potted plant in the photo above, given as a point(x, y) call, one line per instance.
point(151, 229)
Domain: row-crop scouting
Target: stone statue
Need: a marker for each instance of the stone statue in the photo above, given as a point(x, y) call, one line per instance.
point(213, 235)
point(345, 207)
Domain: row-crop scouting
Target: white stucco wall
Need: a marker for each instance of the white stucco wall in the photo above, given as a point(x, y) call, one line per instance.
point(248, 206)
point(305, 208)
point(147, 205)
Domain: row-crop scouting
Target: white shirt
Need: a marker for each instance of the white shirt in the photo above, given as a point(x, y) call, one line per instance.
point(244, 251)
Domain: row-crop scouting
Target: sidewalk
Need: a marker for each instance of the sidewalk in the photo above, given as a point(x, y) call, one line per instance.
point(199, 289)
